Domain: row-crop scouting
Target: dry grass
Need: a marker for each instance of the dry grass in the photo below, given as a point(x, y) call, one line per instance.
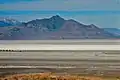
point(48, 76)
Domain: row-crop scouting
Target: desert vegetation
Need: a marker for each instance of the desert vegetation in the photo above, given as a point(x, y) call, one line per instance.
point(49, 76)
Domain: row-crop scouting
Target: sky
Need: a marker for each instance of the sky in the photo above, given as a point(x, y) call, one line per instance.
point(102, 13)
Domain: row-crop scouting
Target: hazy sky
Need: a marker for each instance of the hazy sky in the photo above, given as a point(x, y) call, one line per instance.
point(103, 13)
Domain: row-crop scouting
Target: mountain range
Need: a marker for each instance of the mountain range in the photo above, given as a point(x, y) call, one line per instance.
point(55, 28)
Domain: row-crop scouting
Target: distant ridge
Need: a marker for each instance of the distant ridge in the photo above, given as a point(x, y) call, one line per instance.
point(53, 28)
point(4, 22)
point(115, 31)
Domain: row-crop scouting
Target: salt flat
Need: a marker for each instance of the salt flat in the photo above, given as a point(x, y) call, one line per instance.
point(101, 57)
point(60, 45)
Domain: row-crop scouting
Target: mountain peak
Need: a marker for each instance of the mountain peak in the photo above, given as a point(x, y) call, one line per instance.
point(92, 25)
point(56, 17)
